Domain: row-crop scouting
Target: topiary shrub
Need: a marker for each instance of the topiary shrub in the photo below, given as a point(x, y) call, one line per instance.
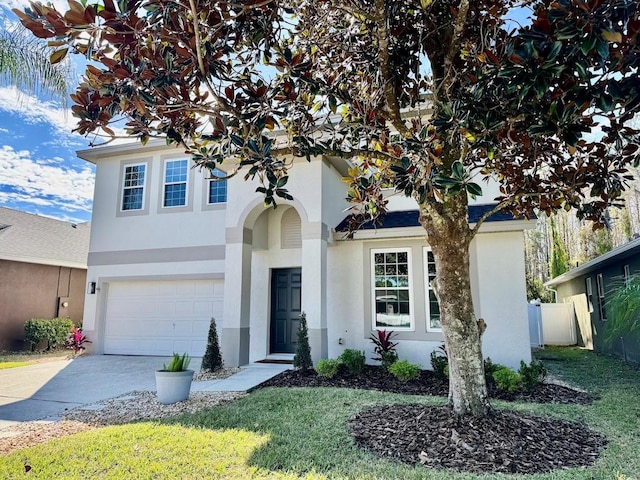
point(440, 362)
point(532, 375)
point(54, 331)
point(354, 360)
point(302, 358)
point(404, 371)
point(327, 368)
point(507, 379)
point(212, 359)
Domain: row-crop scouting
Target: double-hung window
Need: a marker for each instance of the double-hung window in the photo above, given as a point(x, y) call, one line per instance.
point(432, 306)
point(391, 292)
point(217, 187)
point(175, 183)
point(133, 187)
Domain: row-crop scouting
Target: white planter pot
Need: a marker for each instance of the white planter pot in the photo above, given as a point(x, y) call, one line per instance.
point(173, 387)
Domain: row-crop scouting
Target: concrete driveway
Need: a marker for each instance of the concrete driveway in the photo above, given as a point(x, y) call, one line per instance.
point(47, 389)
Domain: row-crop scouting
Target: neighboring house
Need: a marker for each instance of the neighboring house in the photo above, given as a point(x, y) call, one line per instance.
point(43, 267)
point(589, 286)
point(171, 248)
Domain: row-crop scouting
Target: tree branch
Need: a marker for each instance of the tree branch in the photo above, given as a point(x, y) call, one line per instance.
point(387, 76)
point(499, 207)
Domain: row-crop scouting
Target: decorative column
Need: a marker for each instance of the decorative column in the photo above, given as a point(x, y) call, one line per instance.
point(314, 286)
point(237, 297)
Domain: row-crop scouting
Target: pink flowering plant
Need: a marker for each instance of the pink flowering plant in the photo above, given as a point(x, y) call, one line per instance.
point(76, 340)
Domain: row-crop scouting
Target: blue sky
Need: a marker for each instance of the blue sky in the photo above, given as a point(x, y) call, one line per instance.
point(39, 170)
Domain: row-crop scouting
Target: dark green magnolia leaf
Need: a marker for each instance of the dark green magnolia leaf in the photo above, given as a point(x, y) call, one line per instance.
point(457, 170)
point(474, 189)
point(237, 140)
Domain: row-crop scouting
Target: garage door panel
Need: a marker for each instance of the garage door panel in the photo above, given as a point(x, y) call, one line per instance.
point(159, 318)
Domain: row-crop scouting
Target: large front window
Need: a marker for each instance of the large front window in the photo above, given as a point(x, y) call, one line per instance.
point(175, 183)
point(392, 303)
point(432, 306)
point(133, 187)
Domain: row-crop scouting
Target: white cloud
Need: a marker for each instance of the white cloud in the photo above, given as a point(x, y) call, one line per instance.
point(32, 110)
point(39, 182)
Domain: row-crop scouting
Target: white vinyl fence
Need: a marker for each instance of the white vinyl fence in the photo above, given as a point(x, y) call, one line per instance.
point(552, 324)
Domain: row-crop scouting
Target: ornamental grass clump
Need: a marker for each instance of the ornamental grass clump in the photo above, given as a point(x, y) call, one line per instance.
point(354, 360)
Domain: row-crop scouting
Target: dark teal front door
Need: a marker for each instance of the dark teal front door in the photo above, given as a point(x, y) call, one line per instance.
point(286, 305)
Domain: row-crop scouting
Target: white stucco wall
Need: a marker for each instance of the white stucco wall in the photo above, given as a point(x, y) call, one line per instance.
point(498, 284)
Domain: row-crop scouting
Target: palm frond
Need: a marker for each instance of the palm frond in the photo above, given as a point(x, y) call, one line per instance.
point(24, 62)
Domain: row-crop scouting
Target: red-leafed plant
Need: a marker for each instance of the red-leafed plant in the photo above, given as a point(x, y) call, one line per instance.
point(384, 348)
point(76, 340)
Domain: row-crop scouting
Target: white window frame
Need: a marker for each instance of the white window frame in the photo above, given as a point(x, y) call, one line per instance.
point(409, 289)
point(427, 289)
point(589, 288)
point(165, 183)
point(601, 299)
point(125, 187)
point(627, 275)
point(210, 181)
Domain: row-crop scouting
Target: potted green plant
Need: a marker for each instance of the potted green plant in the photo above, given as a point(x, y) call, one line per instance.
point(173, 382)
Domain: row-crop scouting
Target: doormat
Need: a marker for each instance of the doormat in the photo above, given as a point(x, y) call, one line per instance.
point(277, 361)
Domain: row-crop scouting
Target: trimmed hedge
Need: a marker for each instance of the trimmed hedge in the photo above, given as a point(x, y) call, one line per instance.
point(53, 331)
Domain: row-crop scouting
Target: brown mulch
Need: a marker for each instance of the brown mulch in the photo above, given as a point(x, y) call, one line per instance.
point(377, 378)
point(503, 442)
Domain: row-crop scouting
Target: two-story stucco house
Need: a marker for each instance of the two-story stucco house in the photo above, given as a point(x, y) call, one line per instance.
point(170, 249)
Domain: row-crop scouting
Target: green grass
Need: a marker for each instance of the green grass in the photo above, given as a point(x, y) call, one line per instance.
point(21, 359)
point(301, 434)
point(5, 365)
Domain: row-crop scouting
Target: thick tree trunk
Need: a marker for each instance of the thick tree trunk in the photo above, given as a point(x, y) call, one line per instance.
point(449, 236)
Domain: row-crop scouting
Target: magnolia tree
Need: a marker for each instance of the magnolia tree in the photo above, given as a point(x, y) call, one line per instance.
point(429, 96)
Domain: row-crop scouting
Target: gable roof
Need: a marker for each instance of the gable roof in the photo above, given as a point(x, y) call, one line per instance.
point(409, 218)
point(25, 237)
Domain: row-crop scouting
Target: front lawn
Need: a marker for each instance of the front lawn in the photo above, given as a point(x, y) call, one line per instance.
point(301, 433)
point(21, 359)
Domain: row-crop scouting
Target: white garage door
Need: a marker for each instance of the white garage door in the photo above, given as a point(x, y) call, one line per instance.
point(159, 318)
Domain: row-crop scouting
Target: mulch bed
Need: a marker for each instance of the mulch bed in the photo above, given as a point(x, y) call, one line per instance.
point(377, 378)
point(503, 442)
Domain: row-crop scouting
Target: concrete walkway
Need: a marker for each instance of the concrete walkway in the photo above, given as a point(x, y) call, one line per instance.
point(46, 390)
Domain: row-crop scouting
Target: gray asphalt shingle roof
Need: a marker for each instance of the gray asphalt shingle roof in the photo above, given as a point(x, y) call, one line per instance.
point(25, 237)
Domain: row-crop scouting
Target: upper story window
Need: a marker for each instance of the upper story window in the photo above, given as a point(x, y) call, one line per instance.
point(217, 188)
point(133, 186)
point(432, 305)
point(175, 183)
point(392, 302)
